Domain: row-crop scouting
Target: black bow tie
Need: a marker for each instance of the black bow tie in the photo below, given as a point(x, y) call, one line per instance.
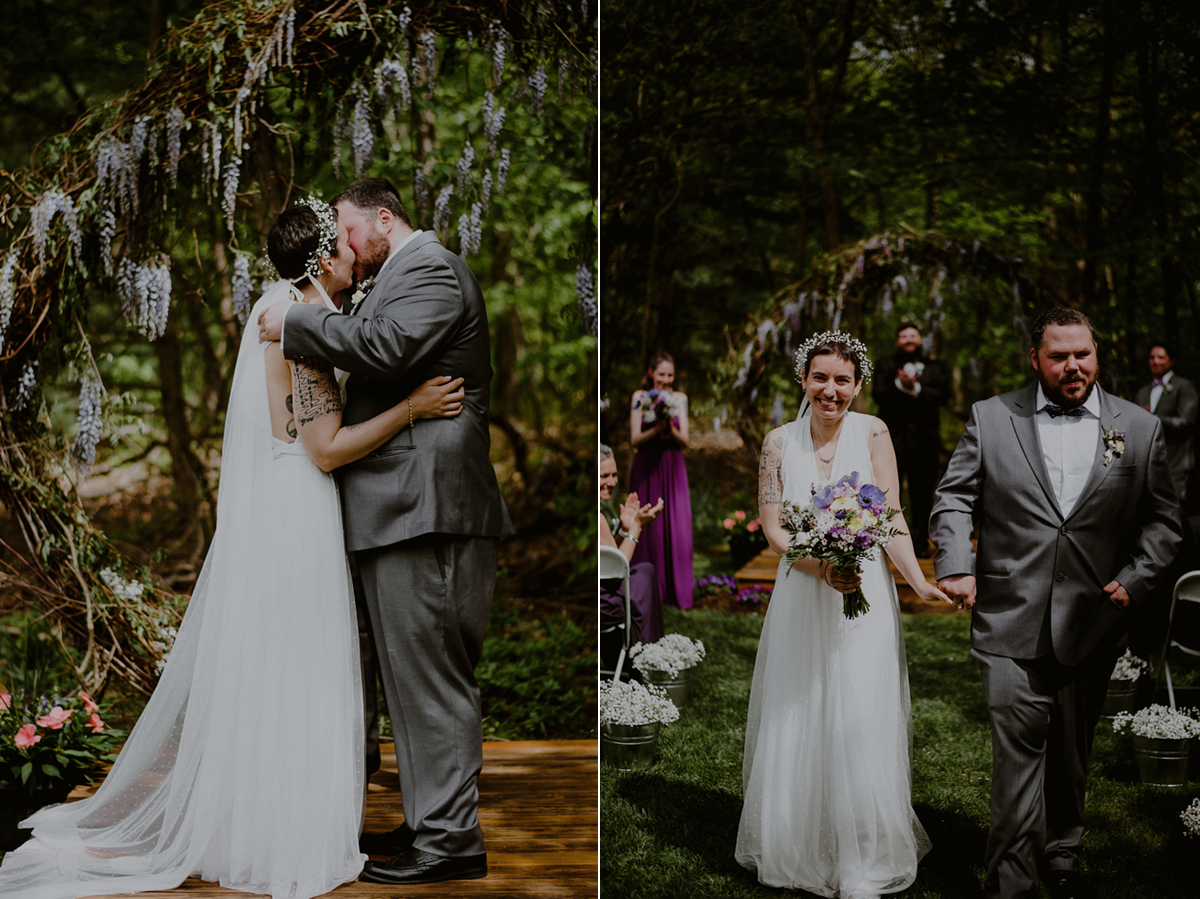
point(1056, 411)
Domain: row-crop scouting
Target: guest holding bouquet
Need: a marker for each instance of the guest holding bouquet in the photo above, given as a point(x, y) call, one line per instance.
point(827, 769)
point(658, 428)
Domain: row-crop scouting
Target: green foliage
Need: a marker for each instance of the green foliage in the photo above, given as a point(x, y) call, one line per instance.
point(537, 677)
point(669, 831)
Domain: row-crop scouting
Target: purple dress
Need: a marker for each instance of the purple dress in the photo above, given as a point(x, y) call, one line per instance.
point(645, 610)
point(658, 470)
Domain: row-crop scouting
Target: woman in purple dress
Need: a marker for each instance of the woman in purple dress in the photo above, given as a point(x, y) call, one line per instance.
point(645, 606)
point(659, 432)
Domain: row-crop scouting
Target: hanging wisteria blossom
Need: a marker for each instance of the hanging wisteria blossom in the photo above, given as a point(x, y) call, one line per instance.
point(48, 204)
point(8, 291)
point(229, 197)
point(420, 192)
point(25, 385)
point(493, 121)
point(463, 167)
point(145, 294)
point(108, 230)
point(499, 50)
point(362, 134)
point(174, 130)
point(585, 289)
point(537, 87)
point(470, 230)
point(241, 286)
point(91, 418)
point(441, 210)
point(486, 188)
point(429, 52)
point(502, 170)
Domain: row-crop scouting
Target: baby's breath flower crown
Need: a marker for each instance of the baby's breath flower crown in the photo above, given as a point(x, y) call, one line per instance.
point(857, 348)
point(326, 234)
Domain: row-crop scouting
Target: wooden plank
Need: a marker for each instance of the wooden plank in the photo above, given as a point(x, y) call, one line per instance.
point(538, 805)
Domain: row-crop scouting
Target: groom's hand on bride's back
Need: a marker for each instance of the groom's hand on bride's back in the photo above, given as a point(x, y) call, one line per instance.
point(270, 322)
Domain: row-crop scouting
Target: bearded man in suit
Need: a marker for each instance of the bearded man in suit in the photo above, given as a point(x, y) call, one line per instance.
point(422, 517)
point(1173, 399)
point(1070, 489)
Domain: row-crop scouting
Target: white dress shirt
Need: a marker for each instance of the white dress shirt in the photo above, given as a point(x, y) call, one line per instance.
point(1157, 390)
point(1069, 446)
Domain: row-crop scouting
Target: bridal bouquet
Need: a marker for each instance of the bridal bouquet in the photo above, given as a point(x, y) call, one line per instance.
point(844, 524)
point(658, 405)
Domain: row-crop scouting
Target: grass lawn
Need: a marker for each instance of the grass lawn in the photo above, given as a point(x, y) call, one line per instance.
point(669, 831)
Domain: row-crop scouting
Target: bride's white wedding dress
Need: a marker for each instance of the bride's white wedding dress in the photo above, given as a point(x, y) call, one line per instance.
point(246, 766)
point(827, 773)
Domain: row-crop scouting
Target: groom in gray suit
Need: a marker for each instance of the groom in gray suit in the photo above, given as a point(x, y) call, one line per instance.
point(422, 516)
point(1077, 517)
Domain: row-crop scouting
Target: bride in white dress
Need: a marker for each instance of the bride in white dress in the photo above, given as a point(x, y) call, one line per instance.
point(827, 773)
point(246, 766)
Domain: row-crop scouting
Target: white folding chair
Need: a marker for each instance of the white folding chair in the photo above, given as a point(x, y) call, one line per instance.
point(613, 564)
point(1187, 590)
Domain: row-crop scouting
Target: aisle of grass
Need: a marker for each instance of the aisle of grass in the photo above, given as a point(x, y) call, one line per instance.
point(669, 831)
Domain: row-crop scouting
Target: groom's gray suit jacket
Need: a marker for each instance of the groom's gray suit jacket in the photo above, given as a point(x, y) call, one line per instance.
point(424, 317)
point(1125, 526)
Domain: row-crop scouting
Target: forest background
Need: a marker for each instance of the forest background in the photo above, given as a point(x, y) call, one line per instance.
point(75, 74)
point(773, 168)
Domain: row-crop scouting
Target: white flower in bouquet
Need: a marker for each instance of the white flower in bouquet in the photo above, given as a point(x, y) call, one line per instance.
point(1158, 722)
point(670, 655)
point(1191, 819)
point(1129, 667)
point(631, 704)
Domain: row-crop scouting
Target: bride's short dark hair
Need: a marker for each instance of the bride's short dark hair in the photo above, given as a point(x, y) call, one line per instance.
point(293, 240)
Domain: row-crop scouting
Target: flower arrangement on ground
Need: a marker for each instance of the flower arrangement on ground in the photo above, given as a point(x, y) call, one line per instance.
point(1191, 819)
point(715, 584)
point(1158, 722)
point(669, 655)
point(845, 524)
point(746, 537)
point(1129, 667)
point(631, 704)
point(754, 593)
point(51, 739)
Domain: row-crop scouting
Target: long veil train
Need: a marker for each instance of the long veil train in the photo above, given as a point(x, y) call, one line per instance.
point(246, 766)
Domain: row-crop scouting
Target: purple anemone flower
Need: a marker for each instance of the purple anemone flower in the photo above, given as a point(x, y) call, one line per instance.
point(824, 497)
point(870, 496)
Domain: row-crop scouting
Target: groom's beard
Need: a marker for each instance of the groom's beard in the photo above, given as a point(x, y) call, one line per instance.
point(374, 255)
point(1054, 392)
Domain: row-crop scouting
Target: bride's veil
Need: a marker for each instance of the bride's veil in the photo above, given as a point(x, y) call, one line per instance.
point(136, 832)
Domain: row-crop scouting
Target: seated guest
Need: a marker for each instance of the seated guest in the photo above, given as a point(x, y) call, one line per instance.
point(645, 603)
point(1173, 399)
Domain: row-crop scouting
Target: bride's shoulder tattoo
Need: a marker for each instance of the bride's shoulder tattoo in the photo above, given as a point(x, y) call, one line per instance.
point(879, 429)
point(770, 488)
point(317, 394)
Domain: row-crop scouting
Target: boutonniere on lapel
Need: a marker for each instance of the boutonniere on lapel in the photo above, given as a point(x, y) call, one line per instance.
point(1114, 445)
point(361, 294)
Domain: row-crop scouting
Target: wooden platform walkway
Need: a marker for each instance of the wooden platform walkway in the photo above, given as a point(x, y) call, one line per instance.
point(761, 570)
point(538, 805)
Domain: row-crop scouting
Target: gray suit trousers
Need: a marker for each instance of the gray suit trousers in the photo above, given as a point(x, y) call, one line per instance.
point(1043, 716)
point(429, 599)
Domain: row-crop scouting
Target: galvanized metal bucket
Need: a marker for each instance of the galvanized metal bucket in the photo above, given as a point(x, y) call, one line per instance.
point(1122, 697)
point(628, 747)
point(678, 686)
point(1161, 762)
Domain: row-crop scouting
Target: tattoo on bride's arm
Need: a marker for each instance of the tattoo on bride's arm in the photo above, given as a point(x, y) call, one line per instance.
point(316, 394)
point(882, 430)
point(769, 491)
point(290, 427)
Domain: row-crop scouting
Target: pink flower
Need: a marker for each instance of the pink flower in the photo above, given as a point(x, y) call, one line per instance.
point(27, 736)
point(739, 515)
point(96, 724)
point(56, 719)
point(729, 523)
point(89, 704)
point(753, 526)
point(5, 700)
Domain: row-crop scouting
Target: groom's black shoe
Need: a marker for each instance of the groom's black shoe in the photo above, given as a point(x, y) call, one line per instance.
point(417, 866)
point(391, 843)
point(1066, 885)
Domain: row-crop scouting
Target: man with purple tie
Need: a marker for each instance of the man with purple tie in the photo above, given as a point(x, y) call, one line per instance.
point(1174, 400)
